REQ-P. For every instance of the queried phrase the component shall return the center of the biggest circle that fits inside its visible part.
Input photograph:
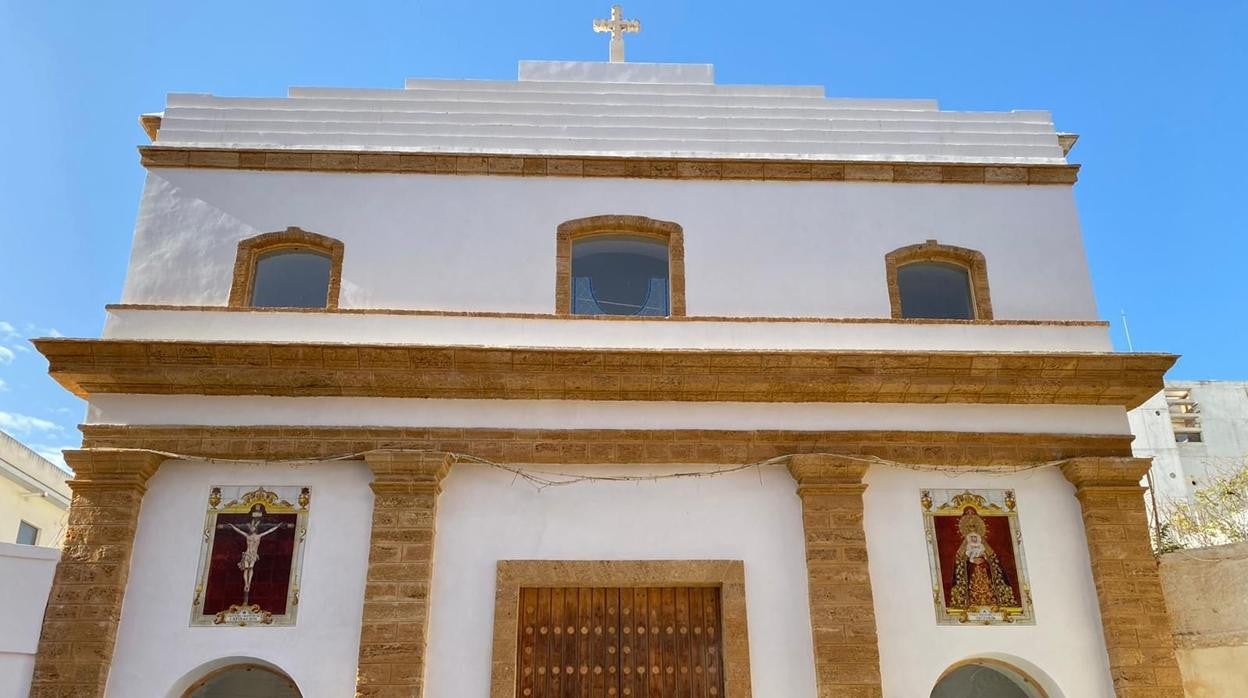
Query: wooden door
(631, 642)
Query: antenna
(1127, 330)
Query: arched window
(289, 269)
(620, 265)
(244, 680)
(938, 281)
(986, 678)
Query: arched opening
(983, 677)
(291, 268)
(938, 282)
(244, 681)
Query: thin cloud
(55, 454)
(22, 424)
(4, 387)
(6, 355)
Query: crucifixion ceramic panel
(251, 555)
(975, 554)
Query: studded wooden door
(643, 642)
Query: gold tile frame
(727, 575)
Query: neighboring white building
(33, 496)
(337, 296)
(1191, 430)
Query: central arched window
(620, 265)
(619, 275)
(289, 269)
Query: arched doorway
(244, 681)
(987, 678)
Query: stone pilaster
(400, 567)
(842, 612)
(1133, 611)
(84, 605)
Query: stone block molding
(1138, 638)
(87, 367)
(285, 160)
(727, 575)
(931, 251)
(842, 610)
(251, 249)
(666, 231)
(84, 605)
(608, 446)
(395, 624)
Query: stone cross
(618, 26)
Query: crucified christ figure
(247, 564)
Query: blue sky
(1156, 90)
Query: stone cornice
(105, 467)
(287, 160)
(406, 472)
(93, 366)
(1106, 473)
(608, 446)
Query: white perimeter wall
(159, 654)
(485, 515)
(488, 243)
(25, 578)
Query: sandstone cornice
(306, 160)
(1102, 473)
(608, 446)
(93, 366)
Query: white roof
(605, 109)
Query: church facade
(607, 381)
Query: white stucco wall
(485, 515)
(488, 243)
(1065, 649)
(25, 578)
(158, 653)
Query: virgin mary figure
(978, 578)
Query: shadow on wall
(235, 677)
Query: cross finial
(617, 25)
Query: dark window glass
(619, 275)
(291, 279)
(935, 290)
(27, 534)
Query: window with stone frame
(293, 268)
(939, 282)
(620, 265)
